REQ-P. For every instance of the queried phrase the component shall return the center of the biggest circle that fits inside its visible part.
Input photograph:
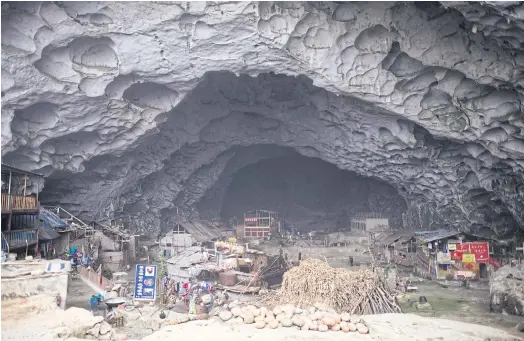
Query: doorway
(483, 270)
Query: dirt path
(78, 294)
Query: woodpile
(354, 291)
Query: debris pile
(317, 318)
(80, 323)
(356, 291)
(101, 331)
(506, 287)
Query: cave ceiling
(133, 109)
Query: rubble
(321, 318)
(507, 290)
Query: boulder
(94, 331)
(286, 322)
(323, 328)
(299, 322)
(225, 315)
(236, 311)
(507, 290)
(248, 319)
(105, 328)
(273, 324)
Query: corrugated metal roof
(397, 235)
(6, 169)
(186, 258)
(437, 235)
(202, 232)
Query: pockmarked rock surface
(133, 109)
(507, 290)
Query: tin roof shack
(397, 247)
(186, 234)
(455, 255)
(193, 262)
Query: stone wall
(38, 282)
(112, 260)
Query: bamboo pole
(9, 203)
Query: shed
(178, 267)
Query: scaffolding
(259, 224)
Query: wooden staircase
(82, 229)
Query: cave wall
(132, 118)
(307, 192)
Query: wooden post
(37, 225)
(9, 204)
(9, 222)
(520, 249)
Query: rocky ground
(35, 318)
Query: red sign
(250, 219)
(456, 255)
(480, 249)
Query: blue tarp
(49, 219)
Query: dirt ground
(356, 247)
(453, 302)
(456, 303)
(450, 304)
(41, 324)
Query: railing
(98, 280)
(59, 211)
(18, 203)
(5, 203)
(19, 238)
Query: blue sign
(145, 282)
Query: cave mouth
(307, 192)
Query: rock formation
(133, 109)
(507, 290)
